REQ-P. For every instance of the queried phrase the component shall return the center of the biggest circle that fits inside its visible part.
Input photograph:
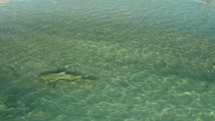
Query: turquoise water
(151, 60)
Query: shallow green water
(151, 60)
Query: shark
(53, 78)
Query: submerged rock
(52, 78)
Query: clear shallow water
(153, 60)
